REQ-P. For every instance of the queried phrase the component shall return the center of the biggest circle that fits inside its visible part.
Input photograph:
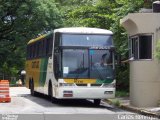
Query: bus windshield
(86, 40)
(84, 63)
(75, 63)
(101, 64)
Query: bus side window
(44, 47)
(57, 56)
(50, 45)
(57, 41)
(47, 46)
(32, 51)
(40, 48)
(37, 52)
(56, 65)
(35, 49)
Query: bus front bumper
(85, 93)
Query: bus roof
(78, 30)
(83, 30)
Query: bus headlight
(66, 84)
(110, 85)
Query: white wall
(144, 74)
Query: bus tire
(50, 93)
(32, 88)
(97, 102)
(29, 84)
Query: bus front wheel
(50, 94)
(97, 102)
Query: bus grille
(96, 85)
(81, 84)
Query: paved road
(23, 103)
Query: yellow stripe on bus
(80, 81)
(36, 39)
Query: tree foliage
(21, 20)
(105, 14)
(157, 52)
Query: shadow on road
(44, 101)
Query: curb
(139, 111)
(134, 109)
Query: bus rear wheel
(97, 102)
(50, 94)
(32, 88)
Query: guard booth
(143, 32)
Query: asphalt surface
(22, 103)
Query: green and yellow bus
(72, 63)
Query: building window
(141, 47)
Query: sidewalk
(124, 103)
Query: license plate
(80, 81)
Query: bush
(157, 52)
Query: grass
(116, 102)
(122, 93)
